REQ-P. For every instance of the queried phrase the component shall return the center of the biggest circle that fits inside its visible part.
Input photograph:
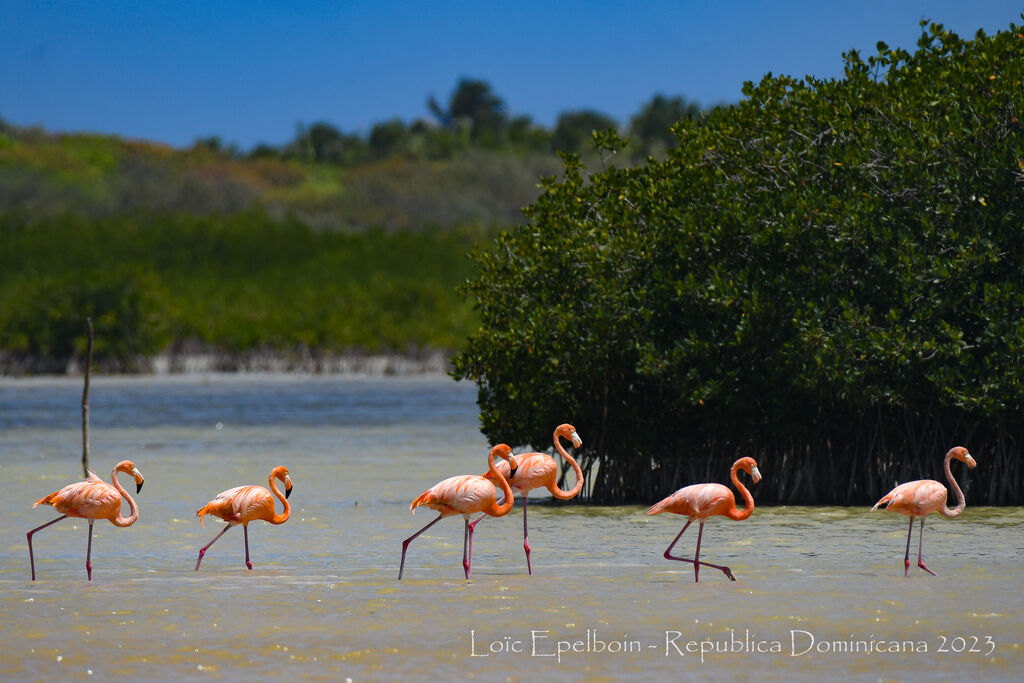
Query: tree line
(473, 117)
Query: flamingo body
(240, 505)
(698, 502)
(540, 470)
(464, 495)
(915, 498)
(91, 499)
(918, 499)
(244, 504)
(460, 495)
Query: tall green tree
(574, 130)
(826, 277)
(650, 129)
(323, 143)
(475, 107)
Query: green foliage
(651, 128)
(826, 277)
(574, 129)
(45, 315)
(236, 282)
(473, 107)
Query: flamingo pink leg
(202, 551)
(467, 542)
(920, 545)
(248, 564)
(526, 543)
(88, 553)
(31, 558)
(696, 561)
(906, 558)
(406, 542)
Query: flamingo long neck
(283, 517)
(960, 502)
(130, 519)
(494, 475)
(574, 491)
(748, 499)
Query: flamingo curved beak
(512, 465)
(970, 461)
(287, 486)
(576, 440)
(755, 474)
(139, 481)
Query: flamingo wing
(90, 499)
(238, 505)
(696, 500)
(915, 498)
(462, 494)
(533, 471)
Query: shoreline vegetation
(333, 253)
(197, 360)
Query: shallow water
(819, 590)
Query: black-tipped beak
(138, 486)
(287, 491)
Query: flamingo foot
(906, 568)
(921, 565)
(201, 553)
(728, 572)
(405, 548)
(529, 567)
(88, 570)
(248, 565)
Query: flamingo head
(128, 467)
(750, 466)
(281, 474)
(504, 451)
(567, 431)
(961, 454)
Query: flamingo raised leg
(91, 499)
(244, 504)
(918, 499)
(700, 501)
(464, 495)
(536, 470)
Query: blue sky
(250, 71)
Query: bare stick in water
(85, 403)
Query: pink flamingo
(922, 497)
(244, 504)
(701, 501)
(534, 470)
(91, 499)
(464, 495)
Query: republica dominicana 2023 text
(677, 643)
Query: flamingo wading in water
(536, 470)
(91, 499)
(244, 504)
(464, 495)
(922, 497)
(700, 501)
